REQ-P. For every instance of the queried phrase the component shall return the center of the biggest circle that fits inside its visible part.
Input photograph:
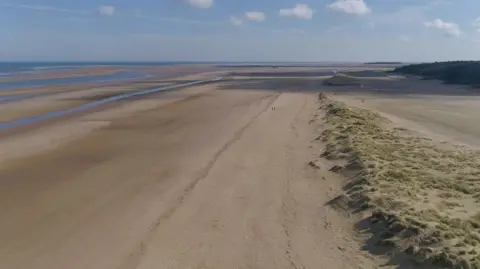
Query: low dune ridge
(422, 196)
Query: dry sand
(203, 177)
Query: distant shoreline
(373, 63)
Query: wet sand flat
(142, 73)
(51, 99)
(82, 71)
(162, 71)
(61, 101)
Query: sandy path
(217, 179)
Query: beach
(255, 167)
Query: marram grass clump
(424, 195)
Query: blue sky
(240, 30)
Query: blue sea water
(117, 76)
(54, 114)
(12, 68)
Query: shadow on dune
(374, 233)
(396, 257)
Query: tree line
(454, 72)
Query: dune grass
(424, 195)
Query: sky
(240, 30)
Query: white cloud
(404, 15)
(293, 31)
(110, 11)
(235, 21)
(198, 3)
(297, 31)
(107, 10)
(301, 11)
(137, 14)
(357, 7)
(476, 24)
(255, 16)
(46, 8)
(450, 28)
(404, 38)
(186, 21)
(435, 3)
(335, 29)
(409, 14)
(368, 25)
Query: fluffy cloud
(293, 31)
(107, 10)
(198, 3)
(476, 24)
(301, 11)
(404, 38)
(335, 29)
(46, 9)
(255, 16)
(235, 21)
(450, 28)
(368, 25)
(357, 7)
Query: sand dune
(424, 193)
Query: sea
(15, 68)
